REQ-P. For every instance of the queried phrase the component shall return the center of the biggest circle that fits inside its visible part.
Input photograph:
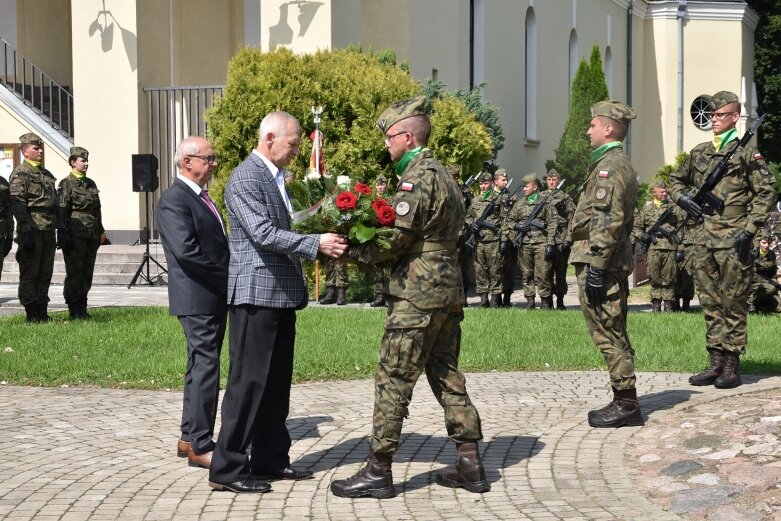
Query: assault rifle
(468, 183)
(649, 236)
(482, 221)
(525, 228)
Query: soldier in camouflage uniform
(723, 275)
(765, 287)
(378, 274)
(564, 206)
(692, 247)
(488, 259)
(466, 260)
(33, 202)
(510, 254)
(336, 282)
(425, 296)
(79, 229)
(6, 222)
(661, 265)
(602, 255)
(536, 269)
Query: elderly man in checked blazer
(266, 286)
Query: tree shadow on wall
(104, 24)
(282, 33)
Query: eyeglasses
(388, 139)
(211, 158)
(722, 115)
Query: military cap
(31, 139)
(485, 176)
(659, 183)
(723, 97)
(79, 152)
(530, 178)
(552, 173)
(381, 180)
(614, 110)
(500, 173)
(401, 110)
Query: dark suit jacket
(265, 265)
(196, 250)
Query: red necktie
(210, 204)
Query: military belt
(429, 246)
(79, 212)
(734, 210)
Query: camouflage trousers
(607, 326)
(558, 272)
(36, 266)
(417, 340)
(684, 279)
(536, 270)
(509, 269)
(466, 262)
(764, 295)
(336, 273)
(488, 268)
(79, 268)
(723, 284)
(662, 270)
(378, 275)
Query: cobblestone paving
(105, 454)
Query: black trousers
(204, 334)
(257, 397)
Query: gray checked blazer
(265, 256)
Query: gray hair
(276, 123)
(189, 146)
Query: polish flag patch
(757, 156)
(603, 173)
(407, 187)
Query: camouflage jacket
(692, 234)
(518, 215)
(495, 217)
(6, 216)
(429, 215)
(647, 217)
(78, 207)
(33, 198)
(605, 214)
(747, 191)
(564, 206)
(766, 264)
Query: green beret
(614, 110)
(500, 173)
(723, 97)
(31, 139)
(401, 110)
(381, 180)
(485, 176)
(529, 178)
(79, 152)
(552, 173)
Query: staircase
(115, 265)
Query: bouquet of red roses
(355, 213)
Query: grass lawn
(145, 348)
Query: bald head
(279, 137)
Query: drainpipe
(628, 141)
(471, 44)
(680, 15)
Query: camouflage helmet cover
(79, 152)
(31, 139)
(614, 110)
(401, 110)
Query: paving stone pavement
(108, 454)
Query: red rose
(346, 201)
(379, 203)
(386, 215)
(362, 188)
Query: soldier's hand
(8, 242)
(743, 246)
(692, 208)
(679, 256)
(595, 286)
(550, 253)
(504, 247)
(566, 248)
(27, 240)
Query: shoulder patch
(757, 156)
(601, 193)
(603, 174)
(406, 186)
(402, 208)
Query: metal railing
(52, 101)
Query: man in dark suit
(197, 253)
(266, 286)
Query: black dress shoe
(286, 473)
(245, 485)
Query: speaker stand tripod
(157, 279)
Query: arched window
(531, 75)
(609, 70)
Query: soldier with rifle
(509, 256)
(734, 194)
(531, 226)
(558, 256)
(466, 260)
(483, 220)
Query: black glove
(679, 256)
(504, 247)
(64, 240)
(550, 253)
(27, 240)
(645, 239)
(743, 246)
(595, 286)
(692, 208)
(566, 247)
(7, 243)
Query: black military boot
(494, 301)
(378, 302)
(340, 296)
(32, 312)
(546, 302)
(686, 305)
(375, 480)
(713, 371)
(530, 303)
(669, 306)
(467, 473)
(623, 410)
(83, 309)
(43, 313)
(730, 377)
(560, 301)
(656, 305)
(484, 300)
(330, 296)
(74, 310)
(506, 299)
